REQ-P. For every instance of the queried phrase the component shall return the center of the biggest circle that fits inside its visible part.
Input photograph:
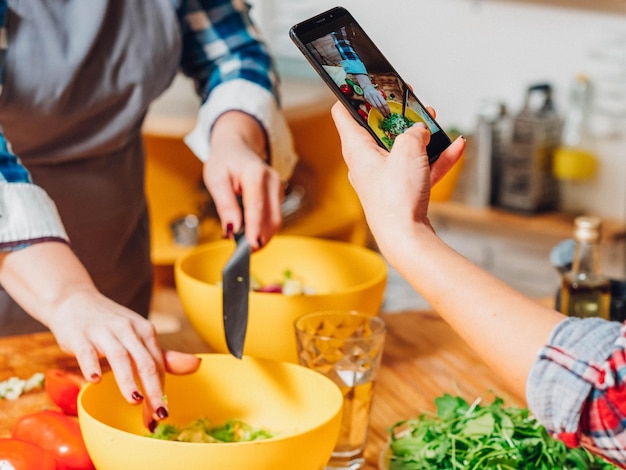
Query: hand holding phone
(363, 79)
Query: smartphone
(363, 79)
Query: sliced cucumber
(356, 88)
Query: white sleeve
(27, 215)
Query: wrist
(238, 126)
(395, 239)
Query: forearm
(506, 328)
(364, 80)
(42, 276)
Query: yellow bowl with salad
(290, 276)
(256, 414)
(388, 128)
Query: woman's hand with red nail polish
(238, 166)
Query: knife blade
(235, 291)
(405, 98)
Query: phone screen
(363, 79)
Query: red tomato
(20, 455)
(382, 92)
(62, 388)
(346, 89)
(57, 432)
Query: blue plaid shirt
(350, 60)
(240, 55)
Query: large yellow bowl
(343, 277)
(301, 406)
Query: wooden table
(423, 359)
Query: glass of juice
(345, 346)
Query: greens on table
(201, 431)
(475, 437)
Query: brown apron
(80, 76)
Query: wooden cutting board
(23, 356)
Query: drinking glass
(345, 346)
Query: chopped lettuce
(201, 431)
(14, 387)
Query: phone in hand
(363, 79)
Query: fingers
(354, 138)
(345, 123)
(179, 363)
(412, 141)
(89, 363)
(137, 363)
(261, 191)
(262, 198)
(176, 363)
(224, 196)
(91, 327)
(448, 158)
(375, 99)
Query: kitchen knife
(235, 290)
(405, 98)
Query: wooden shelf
(551, 224)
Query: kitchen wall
(462, 54)
(457, 53)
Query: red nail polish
(259, 242)
(95, 377)
(229, 230)
(161, 412)
(137, 396)
(152, 425)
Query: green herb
(201, 431)
(476, 437)
(392, 126)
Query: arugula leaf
(478, 436)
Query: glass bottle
(575, 160)
(585, 292)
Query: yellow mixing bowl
(301, 406)
(374, 117)
(343, 277)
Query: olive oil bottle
(585, 292)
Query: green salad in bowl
(202, 430)
(394, 125)
(480, 436)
